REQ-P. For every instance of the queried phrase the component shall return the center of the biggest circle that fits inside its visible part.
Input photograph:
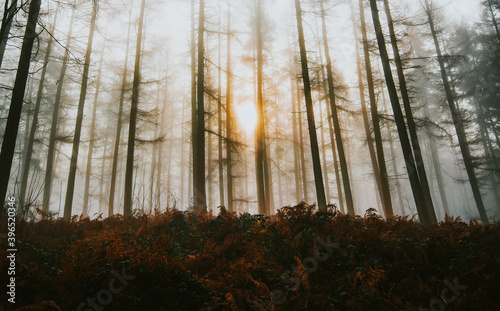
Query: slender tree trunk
(268, 178)
(116, 148)
(101, 182)
(416, 186)
(159, 174)
(16, 104)
(260, 138)
(366, 121)
(318, 176)
(155, 160)
(412, 128)
(437, 167)
(229, 116)
(296, 151)
(323, 155)
(49, 169)
(219, 117)
(34, 124)
(200, 197)
(68, 204)
(301, 144)
(92, 139)
(8, 16)
(129, 171)
(192, 177)
(386, 194)
(336, 123)
(458, 122)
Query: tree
(412, 128)
(49, 168)
(127, 207)
(335, 118)
(116, 148)
(457, 120)
(200, 197)
(34, 123)
(9, 11)
(386, 195)
(229, 116)
(68, 204)
(16, 104)
(260, 138)
(416, 186)
(318, 177)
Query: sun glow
(246, 114)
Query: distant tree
(49, 168)
(16, 104)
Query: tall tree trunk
(200, 197)
(155, 160)
(160, 148)
(34, 122)
(116, 149)
(229, 116)
(412, 128)
(386, 197)
(318, 177)
(260, 138)
(268, 180)
(458, 122)
(416, 186)
(336, 123)
(364, 112)
(16, 104)
(129, 171)
(92, 138)
(9, 12)
(296, 151)
(301, 144)
(219, 117)
(191, 182)
(437, 166)
(68, 204)
(49, 169)
(101, 182)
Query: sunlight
(246, 114)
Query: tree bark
(16, 104)
(200, 197)
(260, 134)
(129, 171)
(318, 176)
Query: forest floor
(298, 259)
